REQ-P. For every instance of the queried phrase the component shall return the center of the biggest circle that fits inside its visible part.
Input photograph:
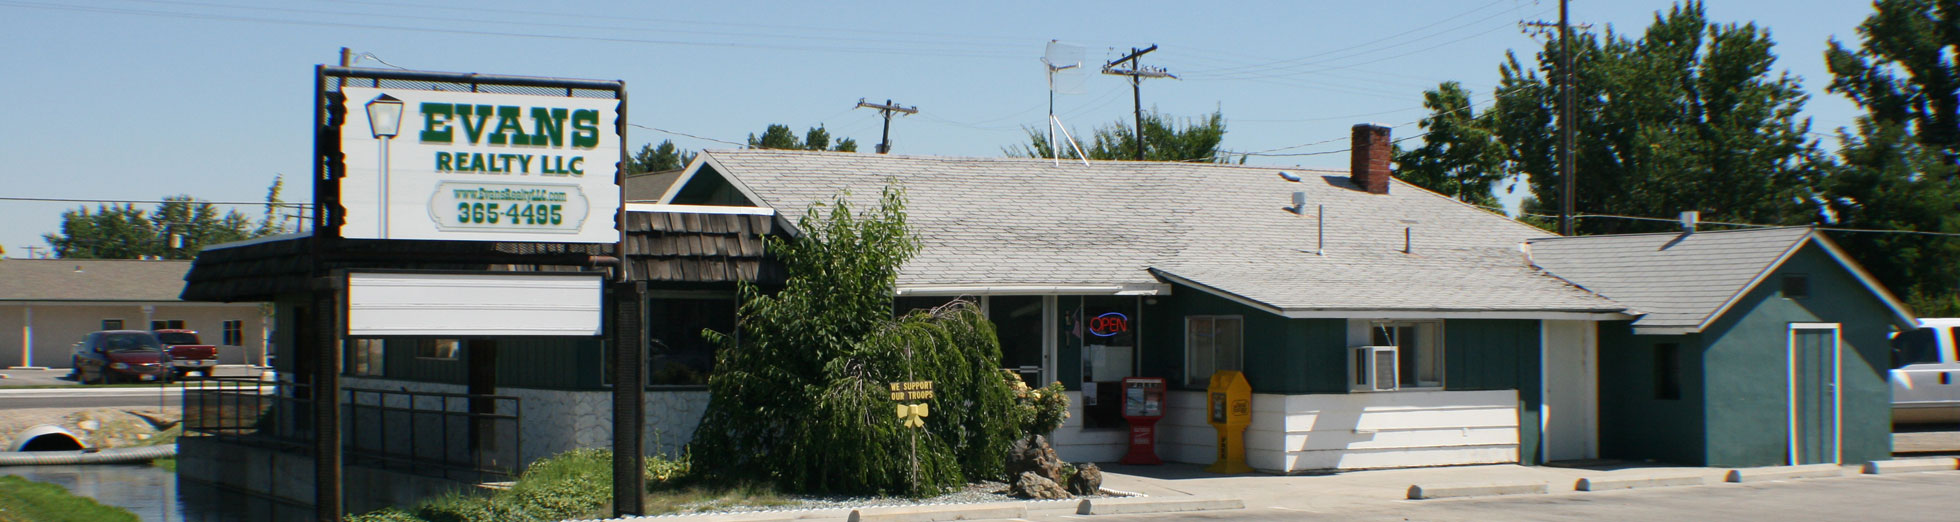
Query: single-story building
(47, 305)
(1318, 285)
(1752, 347)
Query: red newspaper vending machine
(1143, 405)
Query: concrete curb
(1434, 491)
(1636, 482)
(1131, 506)
(1882, 467)
(941, 512)
(1769, 473)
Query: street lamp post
(385, 120)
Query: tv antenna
(1064, 65)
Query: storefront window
(1103, 329)
(677, 354)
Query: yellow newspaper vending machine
(1228, 407)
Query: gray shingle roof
(1676, 280)
(1013, 221)
(91, 280)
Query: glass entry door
(1018, 323)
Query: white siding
(1295, 433)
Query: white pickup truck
(1926, 373)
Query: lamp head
(384, 116)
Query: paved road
(1911, 496)
(82, 398)
(59, 376)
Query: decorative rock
(1086, 481)
(89, 425)
(1030, 485)
(1033, 455)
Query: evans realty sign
(479, 167)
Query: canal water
(155, 495)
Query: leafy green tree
(802, 401)
(666, 156)
(1688, 116)
(1461, 156)
(818, 138)
(1194, 140)
(1896, 169)
(176, 229)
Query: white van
(1926, 373)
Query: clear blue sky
(132, 99)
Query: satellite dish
(1064, 64)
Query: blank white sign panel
(473, 305)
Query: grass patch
(578, 484)
(23, 500)
(167, 463)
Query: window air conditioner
(1374, 368)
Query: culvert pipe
(107, 456)
(46, 437)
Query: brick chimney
(1369, 168)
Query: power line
(677, 133)
(155, 202)
(1748, 225)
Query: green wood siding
(708, 187)
(1490, 354)
(1282, 356)
(1634, 424)
(1747, 365)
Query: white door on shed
(1570, 416)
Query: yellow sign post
(1228, 407)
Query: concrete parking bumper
(1769, 473)
(1638, 481)
(1882, 467)
(1435, 491)
(995, 510)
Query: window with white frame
(1419, 350)
(1212, 343)
(234, 333)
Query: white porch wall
(1073, 443)
(1297, 433)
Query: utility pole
(1568, 183)
(885, 142)
(1137, 73)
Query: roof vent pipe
(1688, 220)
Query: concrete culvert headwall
(46, 438)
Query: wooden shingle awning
(688, 249)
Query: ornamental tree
(801, 399)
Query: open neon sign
(1109, 324)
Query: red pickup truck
(187, 353)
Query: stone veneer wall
(555, 421)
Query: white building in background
(46, 305)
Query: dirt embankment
(98, 428)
